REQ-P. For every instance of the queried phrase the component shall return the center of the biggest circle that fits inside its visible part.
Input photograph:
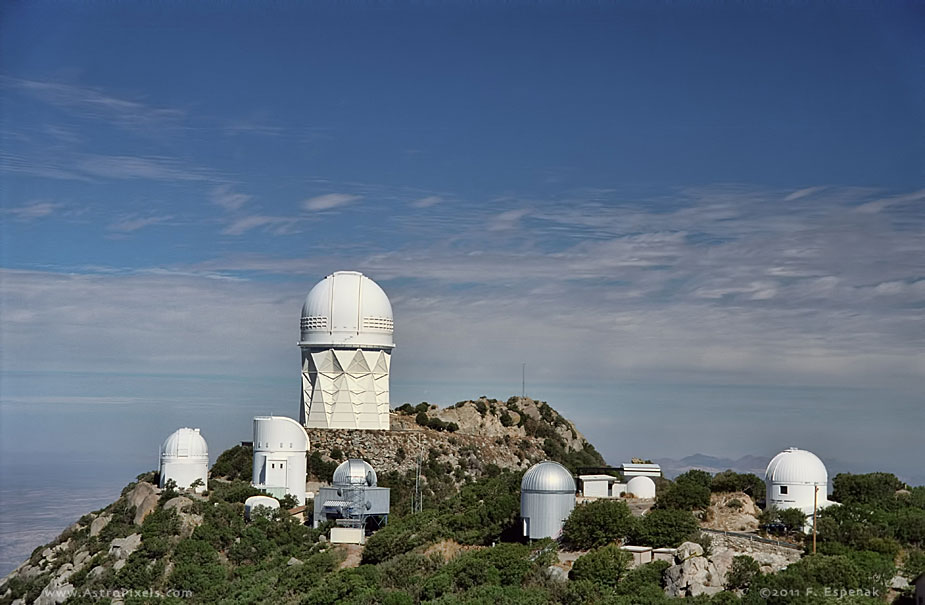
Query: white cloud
(157, 168)
(274, 224)
(32, 211)
(426, 202)
(134, 223)
(506, 220)
(329, 201)
(227, 198)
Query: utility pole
(523, 380)
(815, 503)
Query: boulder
(179, 503)
(293, 561)
(121, 548)
(556, 574)
(139, 493)
(98, 524)
(55, 593)
(97, 571)
(147, 506)
(80, 557)
(693, 574)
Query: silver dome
(548, 477)
(354, 472)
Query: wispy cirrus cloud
(229, 199)
(134, 223)
(426, 202)
(158, 168)
(32, 210)
(329, 201)
(277, 225)
(88, 102)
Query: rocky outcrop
(770, 557)
(99, 524)
(734, 511)
(508, 434)
(122, 548)
(144, 498)
(695, 573)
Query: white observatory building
(184, 457)
(280, 445)
(354, 501)
(547, 498)
(641, 486)
(792, 479)
(346, 342)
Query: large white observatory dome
(184, 458)
(796, 479)
(355, 472)
(796, 466)
(347, 309)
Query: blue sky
(700, 225)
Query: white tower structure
(547, 498)
(185, 458)
(792, 479)
(280, 445)
(346, 342)
(641, 486)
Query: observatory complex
(346, 342)
(184, 458)
(796, 478)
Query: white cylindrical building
(794, 479)
(346, 342)
(547, 498)
(184, 457)
(641, 487)
(280, 445)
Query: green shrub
(604, 566)
(235, 463)
(666, 528)
(742, 572)
(598, 523)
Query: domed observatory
(792, 479)
(353, 501)
(641, 487)
(280, 445)
(185, 458)
(346, 342)
(547, 498)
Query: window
(783, 490)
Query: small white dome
(355, 472)
(347, 308)
(185, 445)
(548, 477)
(256, 501)
(641, 487)
(797, 467)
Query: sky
(700, 225)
